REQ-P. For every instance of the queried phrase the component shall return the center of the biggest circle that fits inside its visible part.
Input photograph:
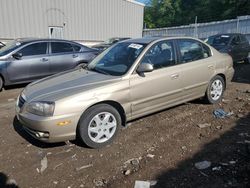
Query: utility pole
(195, 28)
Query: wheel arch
(82, 62)
(114, 104)
(1, 76)
(224, 78)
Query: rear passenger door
(62, 57)
(34, 63)
(196, 66)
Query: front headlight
(41, 108)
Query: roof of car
(229, 34)
(144, 40)
(147, 40)
(27, 40)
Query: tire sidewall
(82, 129)
(1, 83)
(208, 94)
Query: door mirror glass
(17, 56)
(145, 67)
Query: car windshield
(118, 59)
(110, 41)
(9, 47)
(220, 40)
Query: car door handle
(74, 56)
(45, 59)
(210, 66)
(175, 76)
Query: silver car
(27, 60)
(127, 81)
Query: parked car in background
(108, 43)
(2, 44)
(235, 44)
(129, 80)
(26, 60)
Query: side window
(76, 48)
(191, 50)
(34, 49)
(236, 40)
(61, 47)
(160, 55)
(243, 38)
(206, 51)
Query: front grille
(21, 102)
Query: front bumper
(49, 129)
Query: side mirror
(17, 56)
(145, 67)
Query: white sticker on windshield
(136, 46)
(226, 36)
(18, 43)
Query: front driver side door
(160, 88)
(34, 63)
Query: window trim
(31, 43)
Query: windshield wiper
(99, 71)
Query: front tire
(99, 125)
(215, 90)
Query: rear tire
(99, 125)
(1, 83)
(215, 90)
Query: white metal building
(78, 20)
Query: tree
(166, 13)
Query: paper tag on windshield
(226, 36)
(136, 46)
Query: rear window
(76, 48)
(191, 50)
(220, 40)
(61, 47)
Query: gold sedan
(128, 80)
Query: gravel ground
(163, 148)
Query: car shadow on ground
(242, 71)
(18, 86)
(5, 183)
(230, 162)
(19, 129)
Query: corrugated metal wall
(84, 20)
(204, 30)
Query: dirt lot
(162, 148)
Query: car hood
(66, 84)
(102, 45)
